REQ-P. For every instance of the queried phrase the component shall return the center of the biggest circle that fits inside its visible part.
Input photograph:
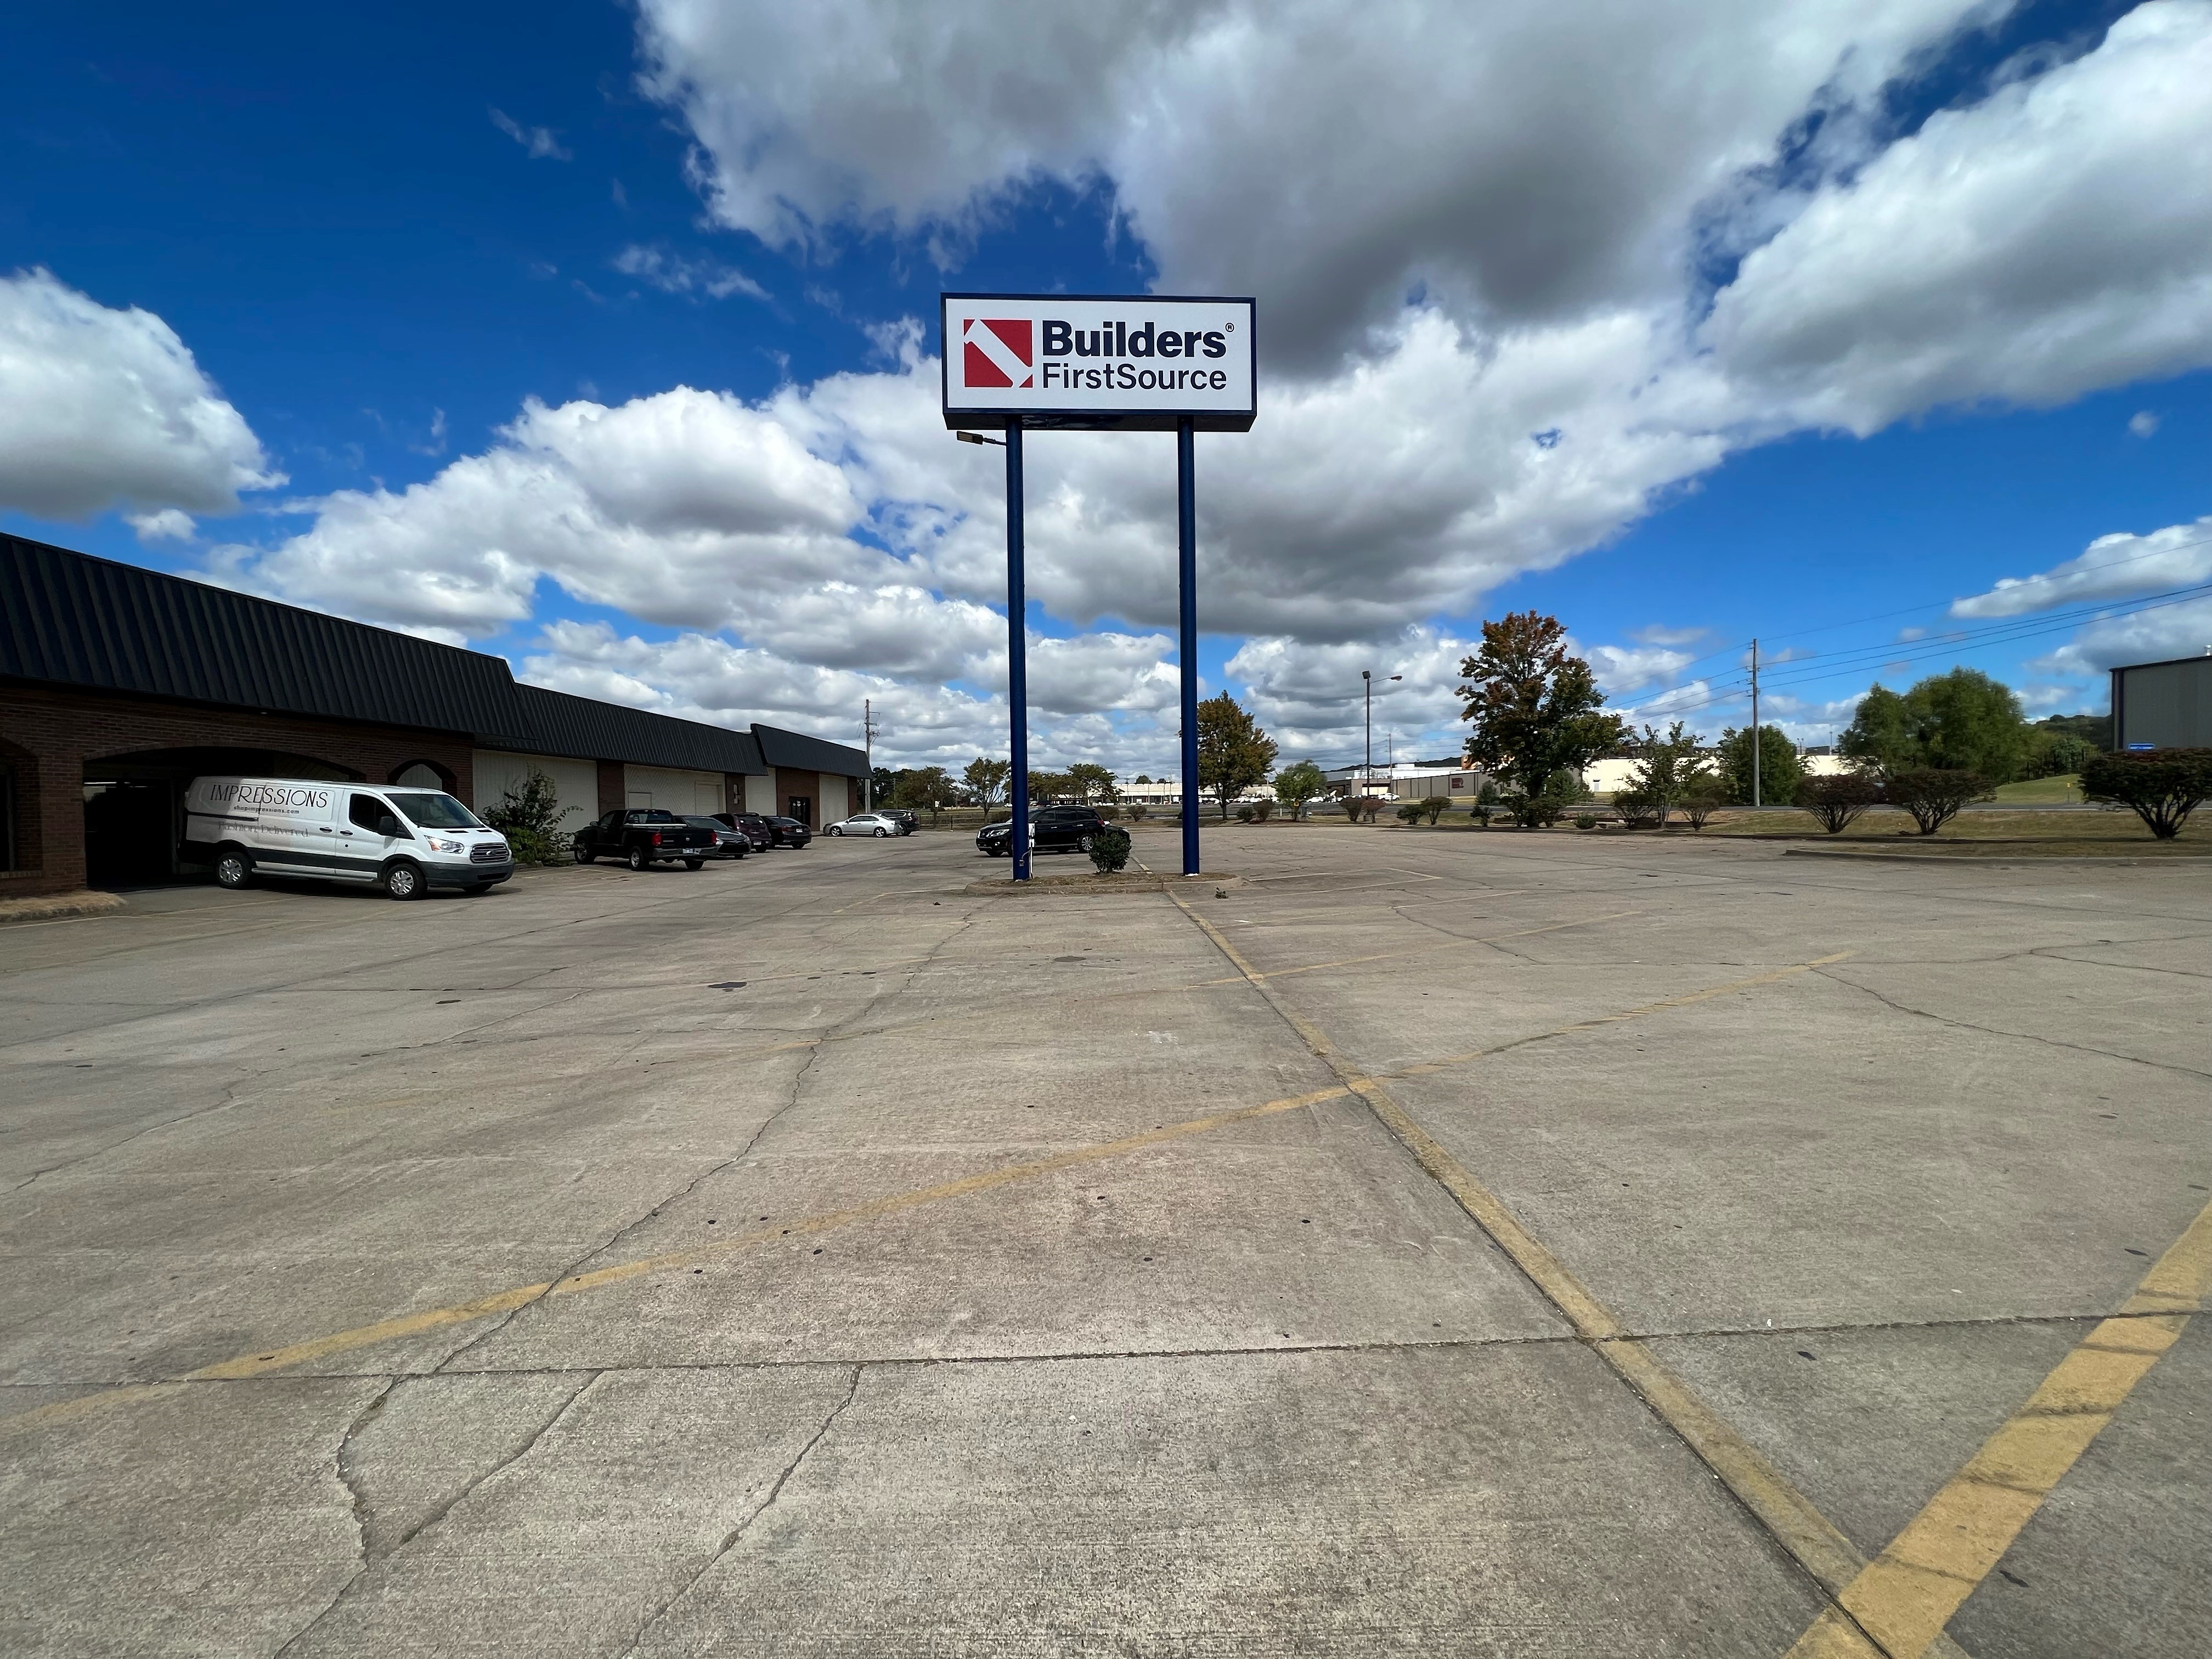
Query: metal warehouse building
(118, 685)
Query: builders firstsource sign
(1122, 361)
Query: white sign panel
(1117, 362)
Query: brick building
(118, 685)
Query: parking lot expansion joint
(730, 1539)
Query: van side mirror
(388, 825)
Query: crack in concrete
(231, 1098)
(1997, 1031)
(731, 1539)
(356, 1511)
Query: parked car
(1052, 829)
(898, 815)
(751, 825)
(639, 836)
(789, 832)
(729, 844)
(404, 841)
(881, 825)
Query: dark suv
(900, 816)
(1052, 829)
(751, 825)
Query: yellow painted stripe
(1912, 1590)
(1787, 1513)
(276, 1358)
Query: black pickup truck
(643, 836)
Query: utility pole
(1754, 724)
(1367, 766)
(868, 740)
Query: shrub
(1137, 813)
(1262, 810)
(1638, 809)
(1364, 807)
(1837, 801)
(1538, 812)
(1109, 849)
(531, 822)
(1934, 796)
(1244, 814)
(1433, 808)
(2162, 788)
(1700, 806)
(1585, 821)
(1409, 812)
(1486, 803)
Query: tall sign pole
(1098, 363)
(1186, 582)
(1754, 723)
(1018, 657)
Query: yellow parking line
(262, 1361)
(1911, 1591)
(1808, 1536)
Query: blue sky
(443, 269)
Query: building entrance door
(130, 831)
(800, 807)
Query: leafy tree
(1087, 781)
(1046, 788)
(1532, 709)
(1933, 794)
(881, 782)
(1234, 754)
(926, 787)
(1664, 768)
(1779, 768)
(1487, 800)
(2095, 730)
(2162, 788)
(1839, 800)
(985, 779)
(2056, 754)
(1297, 784)
(1961, 721)
(1364, 806)
(1140, 778)
(530, 820)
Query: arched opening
(133, 806)
(422, 774)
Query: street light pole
(1367, 767)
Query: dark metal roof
(71, 619)
(555, 723)
(805, 754)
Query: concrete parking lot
(1468, 1244)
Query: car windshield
(427, 811)
(702, 824)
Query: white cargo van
(405, 841)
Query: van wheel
(402, 880)
(637, 860)
(233, 868)
(585, 856)
(695, 864)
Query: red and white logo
(996, 351)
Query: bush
(1638, 809)
(1244, 814)
(1700, 806)
(1934, 796)
(531, 822)
(2162, 788)
(1109, 849)
(1837, 801)
(1538, 812)
(1585, 821)
(1486, 803)
(1262, 810)
(1137, 813)
(1409, 812)
(1433, 808)
(1364, 807)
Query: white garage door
(576, 782)
(674, 791)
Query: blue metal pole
(1018, 666)
(1187, 578)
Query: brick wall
(49, 735)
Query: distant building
(1451, 778)
(2163, 705)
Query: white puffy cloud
(2181, 629)
(2050, 240)
(540, 142)
(1328, 158)
(1623, 669)
(102, 408)
(2114, 567)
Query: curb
(58, 906)
(2005, 859)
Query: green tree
(1296, 785)
(928, 787)
(2162, 788)
(1532, 709)
(1090, 782)
(881, 780)
(986, 780)
(530, 820)
(1234, 754)
(1046, 788)
(1933, 794)
(1779, 768)
(1666, 768)
(1961, 721)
